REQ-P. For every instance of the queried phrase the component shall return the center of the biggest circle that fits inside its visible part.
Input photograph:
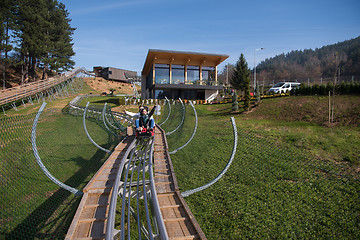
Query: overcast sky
(119, 33)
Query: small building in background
(175, 74)
(116, 74)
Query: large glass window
(208, 75)
(193, 75)
(162, 75)
(177, 74)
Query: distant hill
(313, 64)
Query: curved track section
(87, 133)
(193, 134)
(189, 192)
(38, 159)
(169, 105)
(182, 119)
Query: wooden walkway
(90, 219)
(10, 95)
(180, 223)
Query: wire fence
(272, 189)
(32, 206)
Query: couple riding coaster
(144, 123)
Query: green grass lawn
(290, 179)
(32, 206)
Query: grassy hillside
(312, 109)
(291, 177)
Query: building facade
(110, 73)
(175, 74)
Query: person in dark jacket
(145, 120)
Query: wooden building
(175, 74)
(116, 74)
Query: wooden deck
(90, 218)
(180, 223)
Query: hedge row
(340, 89)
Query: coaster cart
(145, 132)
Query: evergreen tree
(44, 37)
(32, 26)
(241, 79)
(313, 63)
(59, 56)
(6, 25)
(247, 97)
(241, 74)
(235, 104)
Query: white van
(283, 87)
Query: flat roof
(181, 58)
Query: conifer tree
(59, 56)
(6, 25)
(235, 104)
(44, 37)
(241, 79)
(32, 25)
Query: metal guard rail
(130, 158)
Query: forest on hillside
(342, 58)
(35, 40)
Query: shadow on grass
(53, 217)
(112, 100)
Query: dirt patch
(102, 85)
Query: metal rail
(193, 134)
(87, 133)
(103, 114)
(189, 192)
(136, 171)
(182, 120)
(168, 113)
(38, 159)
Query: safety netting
(32, 206)
(271, 190)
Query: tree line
(35, 34)
(314, 64)
(306, 64)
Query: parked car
(283, 87)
